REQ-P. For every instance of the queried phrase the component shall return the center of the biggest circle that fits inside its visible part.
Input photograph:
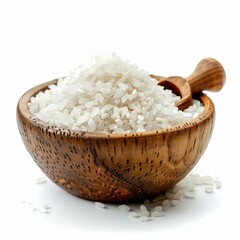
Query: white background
(44, 39)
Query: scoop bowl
(115, 167)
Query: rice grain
(100, 205)
(144, 219)
(124, 207)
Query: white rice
(209, 189)
(175, 202)
(145, 213)
(40, 180)
(100, 205)
(166, 203)
(143, 208)
(134, 214)
(38, 207)
(218, 184)
(110, 95)
(159, 205)
(158, 208)
(144, 219)
(189, 194)
(157, 214)
(124, 207)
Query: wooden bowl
(115, 167)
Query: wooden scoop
(209, 75)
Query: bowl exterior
(116, 168)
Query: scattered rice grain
(157, 214)
(209, 189)
(134, 214)
(124, 207)
(174, 202)
(42, 209)
(144, 213)
(144, 219)
(218, 184)
(189, 194)
(158, 208)
(41, 180)
(166, 203)
(143, 208)
(38, 207)
(100, 205)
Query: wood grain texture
(209, 75)
(114, 167)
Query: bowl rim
(22, 109)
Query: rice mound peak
(110, 95)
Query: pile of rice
(110, 95)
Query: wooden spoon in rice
(209, 75)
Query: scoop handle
(209, 75)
